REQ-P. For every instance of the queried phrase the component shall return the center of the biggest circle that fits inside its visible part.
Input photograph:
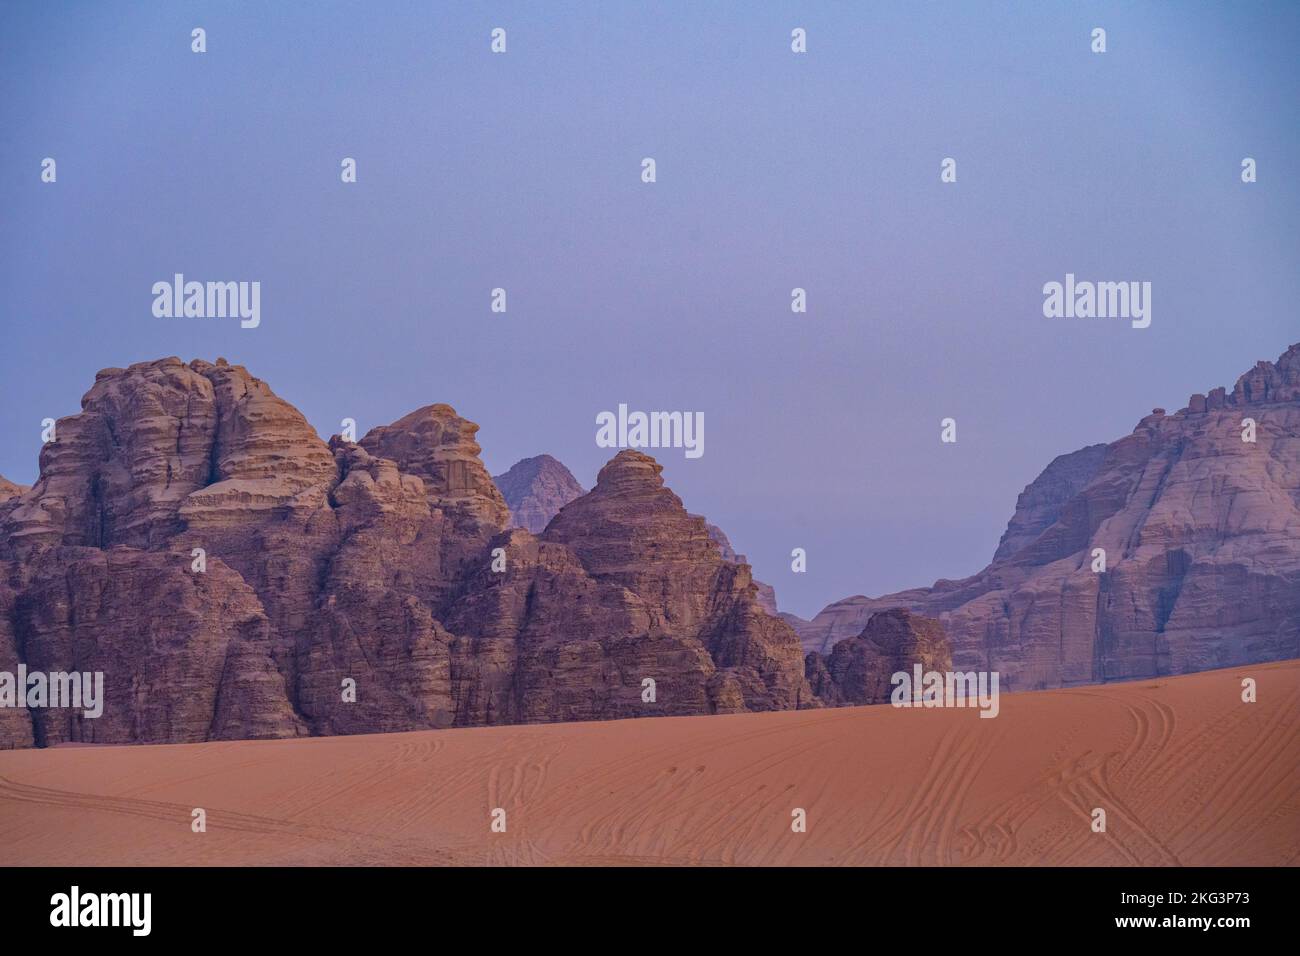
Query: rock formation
(536, 489)
(232, 575)
(766, 593)
(1039, 505)
(1201, 538)
(858, 669)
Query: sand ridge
(1187, 773)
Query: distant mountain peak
(536, 489)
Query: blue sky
(775, 170)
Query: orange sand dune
(1187, 773)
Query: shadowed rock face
(186, 656)
(1201, 533)
(858, 669)
(234, 576)
(536, 489)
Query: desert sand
(1187, 774)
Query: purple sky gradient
(774, 170)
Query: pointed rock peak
(437, 416)
(537, 465)
(630, 493)
(630, 472)
(526, 473)
(438, 446)
(536, 489)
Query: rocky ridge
(234, 576)
(1200, 532)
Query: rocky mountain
(1200, 534)
(858, 669)
(232, 575)
(536, 489)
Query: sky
(775, 170)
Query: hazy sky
(775, 170)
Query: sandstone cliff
(233, 576)
(1201, 536)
